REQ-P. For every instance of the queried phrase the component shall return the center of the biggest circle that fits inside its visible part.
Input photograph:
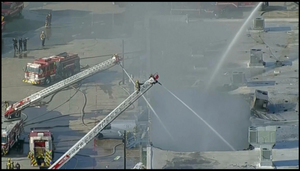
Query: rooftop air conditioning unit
(258, 24)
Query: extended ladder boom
(15, 109)
(103, 123)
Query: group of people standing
(21, 44)
(11, 165)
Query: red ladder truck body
(46, 70)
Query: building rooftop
(172, 48)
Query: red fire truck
(11, 131)
(41, 147)
(46, 70)
(11, 9)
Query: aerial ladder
(140, 90)
(14, 110)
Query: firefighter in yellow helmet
(151, 76)
(43, 38)
(9, 164)
(138, 85)
(6, 104)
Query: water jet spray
(234, 40)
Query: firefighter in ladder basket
(155, 77)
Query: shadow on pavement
(286, 144)
(286, 163)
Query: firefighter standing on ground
(20, 45)
(43, 38)
(17, 166)
(48, 19)
(25, 44)
(9, 164)
(15, 44)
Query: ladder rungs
(67, 82)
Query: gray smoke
(170, 43)
(228, 115)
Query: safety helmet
(42, 31)
(8, 159)
(137, 81)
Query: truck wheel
(48, 81)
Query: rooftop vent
(258, 24)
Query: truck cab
(11, 9)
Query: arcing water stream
(150, 107)
(224, 56)
(232, 43)
(207, 124)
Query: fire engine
(43, 139)
(10, 132)
(11, 9)
(41, 147)
(46, 70)
(14, 111)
